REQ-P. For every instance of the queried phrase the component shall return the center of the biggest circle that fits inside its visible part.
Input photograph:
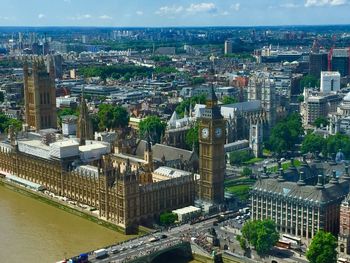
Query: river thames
(34, 232)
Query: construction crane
(330, 56)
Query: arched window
(342, 248)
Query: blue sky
(172, 13)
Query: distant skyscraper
(317, 62)
(40, 96)
(330, 81)
(57, 61)
(340, 60)
(228, 47)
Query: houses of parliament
(118, 177)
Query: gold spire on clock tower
(212, 134)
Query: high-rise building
(340, 59)
(57, 61)
(212, 129)
(318, 105)
(40, 96)
(330, 82)
(317, 62)
(228, 47)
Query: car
(123, 248)
(115, 251)
(163, 236)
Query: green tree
(165, 70)
(313, 143)
(261, 234)
(112, 117)
(167, 218)
(228, 100)
(5, 122)
(309, 81)
(154, 126)
(160, 58)
(321, 121)
(67, 111)
(247, 171)
(338, 142)
(242, 242)
(197, 81)
(192, 137)
(301, 98)
(115, 71)
(237, 158)
(286, 134)
(322, 248)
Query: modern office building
(228, 47)
(317, 62)
(339, 61)
(317, 105)
(297, 208)
(330, 82)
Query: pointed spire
(320, 183)
(346, 174)
(191, 110)
(334, 179)
(301, 181)
(281, 175)
(185, 113)
(149, 143)
(212, 96)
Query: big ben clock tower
(212, 135)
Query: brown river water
(34, 232)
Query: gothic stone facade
(119, 197)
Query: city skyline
(161, 13)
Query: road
(135, 249)
(196, 234)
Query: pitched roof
(170, 153)
(306, 193)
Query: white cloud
(81, 17)
(236, 6)
(41, 16)
(289, 5)
(310, 3)
(86, 16)
(202, 8)
(105, 17)
(5, 18)
(139, 13)
(169, 10)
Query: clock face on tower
(218, 132)
(205, 133)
